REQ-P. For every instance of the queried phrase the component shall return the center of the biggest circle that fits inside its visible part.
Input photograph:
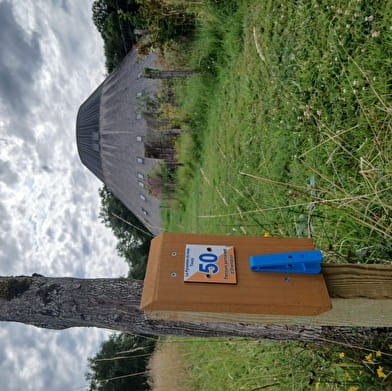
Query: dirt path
(168, 369)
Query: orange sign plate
(254, 293)
(209, 263)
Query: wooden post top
(361, 295)
(254, 293)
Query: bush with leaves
(116, 21)
(167, 22)
(121, 363)
(133, 237)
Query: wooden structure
(361, 295)
(252, 293)
(117, 139)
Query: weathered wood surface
(254, 293)
(354, 281)
(167, 74)
(361, 296)
(60, 303)
(142, 31)
(345, 312)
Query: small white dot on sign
(173, 254)
(174, 274)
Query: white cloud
(49, 202)
(35, 359)
(49, 191)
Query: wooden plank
(352, 281)
(362, 296)
(345, 312)
(254, 293)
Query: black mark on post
(14, 287)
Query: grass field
(291, 135)
(237, 364)
(291, 119)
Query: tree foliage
(133, 237)
(116, 20)
(100, 13)
(123, 359)
(166, 21)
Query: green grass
(291, 134)
(237, 364)
(314, 116)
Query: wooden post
(151, 73)
(142, 32)
(361, 295)
(175, 131)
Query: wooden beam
(345, 312)
(350, 281)
(361, 296)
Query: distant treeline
(116, 20)
(133, 237)
(121, 364)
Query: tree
(101, 10)
(166, 22)
(152, 73)
(133, 237)
(119, 356)
(60, 303)
(116, 21)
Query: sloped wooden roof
(110, 131)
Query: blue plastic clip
(306, 262)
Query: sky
(51, 59)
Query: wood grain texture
(361, 294)
(345, 312)
(354, 281)
(254, 293)
(60, 303)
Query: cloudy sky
(51, 59)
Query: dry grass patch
(168, 368)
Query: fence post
(361, 295)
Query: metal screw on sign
(173, 254)
(174, 274)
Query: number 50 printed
(209, 263)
